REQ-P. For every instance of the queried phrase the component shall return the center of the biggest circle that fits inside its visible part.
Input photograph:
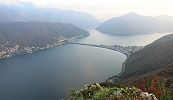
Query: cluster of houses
(125, 50)
(8, 49)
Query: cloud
(8, 1)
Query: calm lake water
(50, 74)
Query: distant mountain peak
(27, 11)
(135, 24)
(131, 14)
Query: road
(125, 50)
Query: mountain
(135, 24)
(149, 69)
(37, 33)
(154, 56)
(29, 12)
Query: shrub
(96, 92)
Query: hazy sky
(104, 9)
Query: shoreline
(110, 79)
(127, 51)
(36, 51)
(123, 68)
(116, 77)
(30, 50)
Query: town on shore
(8, 49)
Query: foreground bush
(96, 92)
(157, 86)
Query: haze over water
(50, 74)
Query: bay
(50, 74)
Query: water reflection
(97, 37)
(48, 75)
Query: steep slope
(154, 56)
(37, 33)
(149, 69)
(135, 24)
(29, 12)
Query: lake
(50, 74)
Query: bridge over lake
(122, 49)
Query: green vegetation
(97, 92)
